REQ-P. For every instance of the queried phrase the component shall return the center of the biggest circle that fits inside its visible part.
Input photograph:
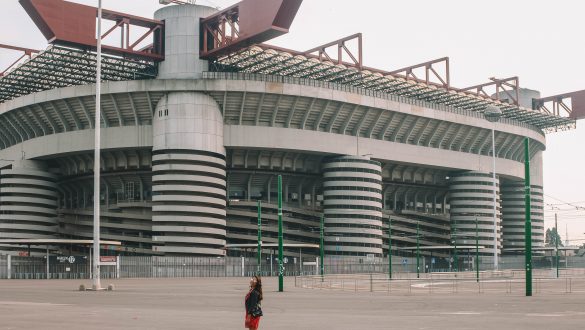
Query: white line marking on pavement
(26, 303)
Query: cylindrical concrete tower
(28, 201)
(513, 210)
(352, 191)
(189, 176)
(471, 199)
(513, 216)
(182, 41)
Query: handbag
(256, 311)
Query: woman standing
(253, 299)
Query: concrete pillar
(190, 212)
(472, 198)
(26, 182)
(352, 194)
(182, 41)
(513, 211)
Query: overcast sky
(541, 41)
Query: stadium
(200, 116)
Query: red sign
(107, 258)
(22, 253)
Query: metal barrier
(169, 267)
(430, 285)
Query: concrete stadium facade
(185, 157)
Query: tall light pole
(476, 251)
(557, 244)
(280, 252)
(417, 252)
(96, 164)
(527, 224)
(259, 253)
(493, 114)
(322, 248)
(455, 262)
(390, 247)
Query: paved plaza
(217, 303)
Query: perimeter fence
(454, 283)
(74, 267)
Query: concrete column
(352, 189)
(269, 188)
(190, 212)
(182, 41)
(300, 195)
(28, 202)
(9, 266)
(472, 198)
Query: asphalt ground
(217, 303)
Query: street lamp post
(476, 251)
(259, 253)
(557, 244)
(493, 114)
(417, 252)
(527, 224)
(390, 248)
(280, 250)
(97, 161)
(455, 263)
(322, 248)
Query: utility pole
(259, 254)
(280, 251)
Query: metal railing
(511, 268)
(431, 285)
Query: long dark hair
(258, 287)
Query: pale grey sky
(540, 41)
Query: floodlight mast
(97, 161)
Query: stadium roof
(70, 60)
(59, 66)
(265, 59)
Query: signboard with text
(108, 260)
(68, 260)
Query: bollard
(371, 284)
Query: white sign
(285, 260)
(370, 256)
